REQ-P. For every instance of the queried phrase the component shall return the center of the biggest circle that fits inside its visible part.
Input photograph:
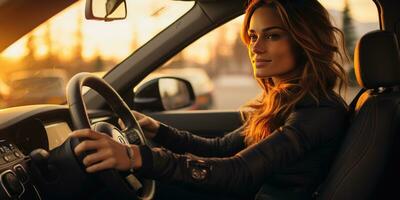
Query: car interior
(37, 161)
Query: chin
(262, 75)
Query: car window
(68, 44)
(218, 67)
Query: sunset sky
(116, 39)
(361, 10)
(109, 39)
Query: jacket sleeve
(179, 141)
(303, 131)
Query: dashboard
(24, 130)
(57, 133)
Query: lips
(261, 62)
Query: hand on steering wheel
(107, 153)
(104, 149)
(149, 125)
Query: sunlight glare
(16, 51)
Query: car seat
(366, 151)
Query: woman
(290, 135)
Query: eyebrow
(269, 28)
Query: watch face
(199, 169)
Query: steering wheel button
(122, 141)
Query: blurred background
(37, 67)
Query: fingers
(138, 115)
(93, 140)
(86, 133)
(142, 119)
(144, 122)
(87, 145)
(106, 164)
(121, 123)
(96, 157)
(106, 152)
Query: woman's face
(271, 48)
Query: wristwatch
(131, 156)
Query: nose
(257, 47)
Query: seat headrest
(377, 60)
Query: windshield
(36, 68)
(35, 84)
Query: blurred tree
(50, 58)
(349, 38)
(348, 29)
(77, 52)
(98, 63)
(240, 57)
(221, 52)
(29, 59)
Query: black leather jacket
(292, 161)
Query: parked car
(37, 161)
(37, 87)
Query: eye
(273, 36)
(253, 37)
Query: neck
(286, 77)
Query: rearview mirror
(164, 93)
(106, 10)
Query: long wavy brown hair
(318, 65)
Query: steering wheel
(125, 185)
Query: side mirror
(107, 10)
(164, 93)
